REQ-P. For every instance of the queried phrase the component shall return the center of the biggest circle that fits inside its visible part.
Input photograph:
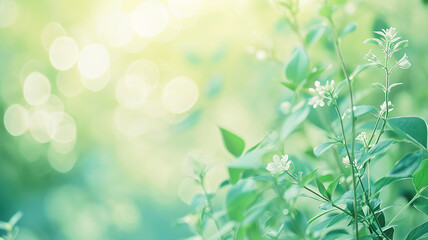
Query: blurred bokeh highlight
(105, 105)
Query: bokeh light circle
(38, 122)
(96, 84)
(61, 162)
(69, 83)
(150, 18)
(63, 53)
(147, 70)
(94, 61)
(115, 29)
(131, 91)
(37, 88)
(179, 95)
(8, 13)
(50, 32)
(61, 127)
(16, 120)
(184, 8)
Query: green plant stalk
(418, 194)
(386, 93)
(210, 206)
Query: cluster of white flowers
(388, 34)
(404, 62)
(346, 161)
(362, 137)
(322, 93)
(279, 164)
(383, 107)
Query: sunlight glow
(94, 61)
(150, 18)
(63, 53)
(179, 95)
(131, 91)
(16, 120)
(37, 88)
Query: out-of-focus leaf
(288, 84)
(361, 110)
(320, 149)
(239, 198)
(297, 68)
(413, 129)
(348, 29)
(234, 144)
(359, 69)
(373, 41)
(314, 35)
(375, 151)
(420, 178)
(418, 232)
(335, 234)
(407, 165)
(250, 160)
(293, 121)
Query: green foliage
(266, 183)
(234, 144)
(418, 232)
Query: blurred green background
(106, 104)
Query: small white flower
(362, 137)
(404, 62)
(321, 93)
(345, 160)
(390, 33)
(383, 107)
(279, 164)
(370, 56)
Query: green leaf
(326, 11)
(393, 85)
(418, 232)
(413, 129)
(314, 35)
(239, 198)
(421, 204)
(319, 215)
(380, 86)
(293, 121)
(297, 68)
(288, 84)
(322, 189)
(248, 161)
(309, 177)
(320, 149)
(234, 144)
(335, 234)
(361, 110)
(348, 29)
(375, 151)
(407, 165)
(420, 178)
(400, 45)
(359, 69)
(373, 41)
(332, 187)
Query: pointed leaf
(348, 29)
(297, 68)
(418, 232)
(234, 144)
(322, 189)
(412, 128)
(420, 178)
(332, 187)
(320, 149)
(314, 35)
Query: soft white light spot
(63, 53)
(16, 120)
(115, 29)
(50, 32)
(145, 69)
(8, 13)
(150, 18)
(63, 147)
(61, 162)
(171, 30)
(69, 83)
(137, 44)
(38, 122)
(261, 55)
(93, 61)
(37, 88)
(61, 127)
(179, 95)
(96, 84)
(130, 123)
(131, 91)
(184, 8)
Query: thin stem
(210, 206)
(387, 72)
(418, 194)
(351, 157)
